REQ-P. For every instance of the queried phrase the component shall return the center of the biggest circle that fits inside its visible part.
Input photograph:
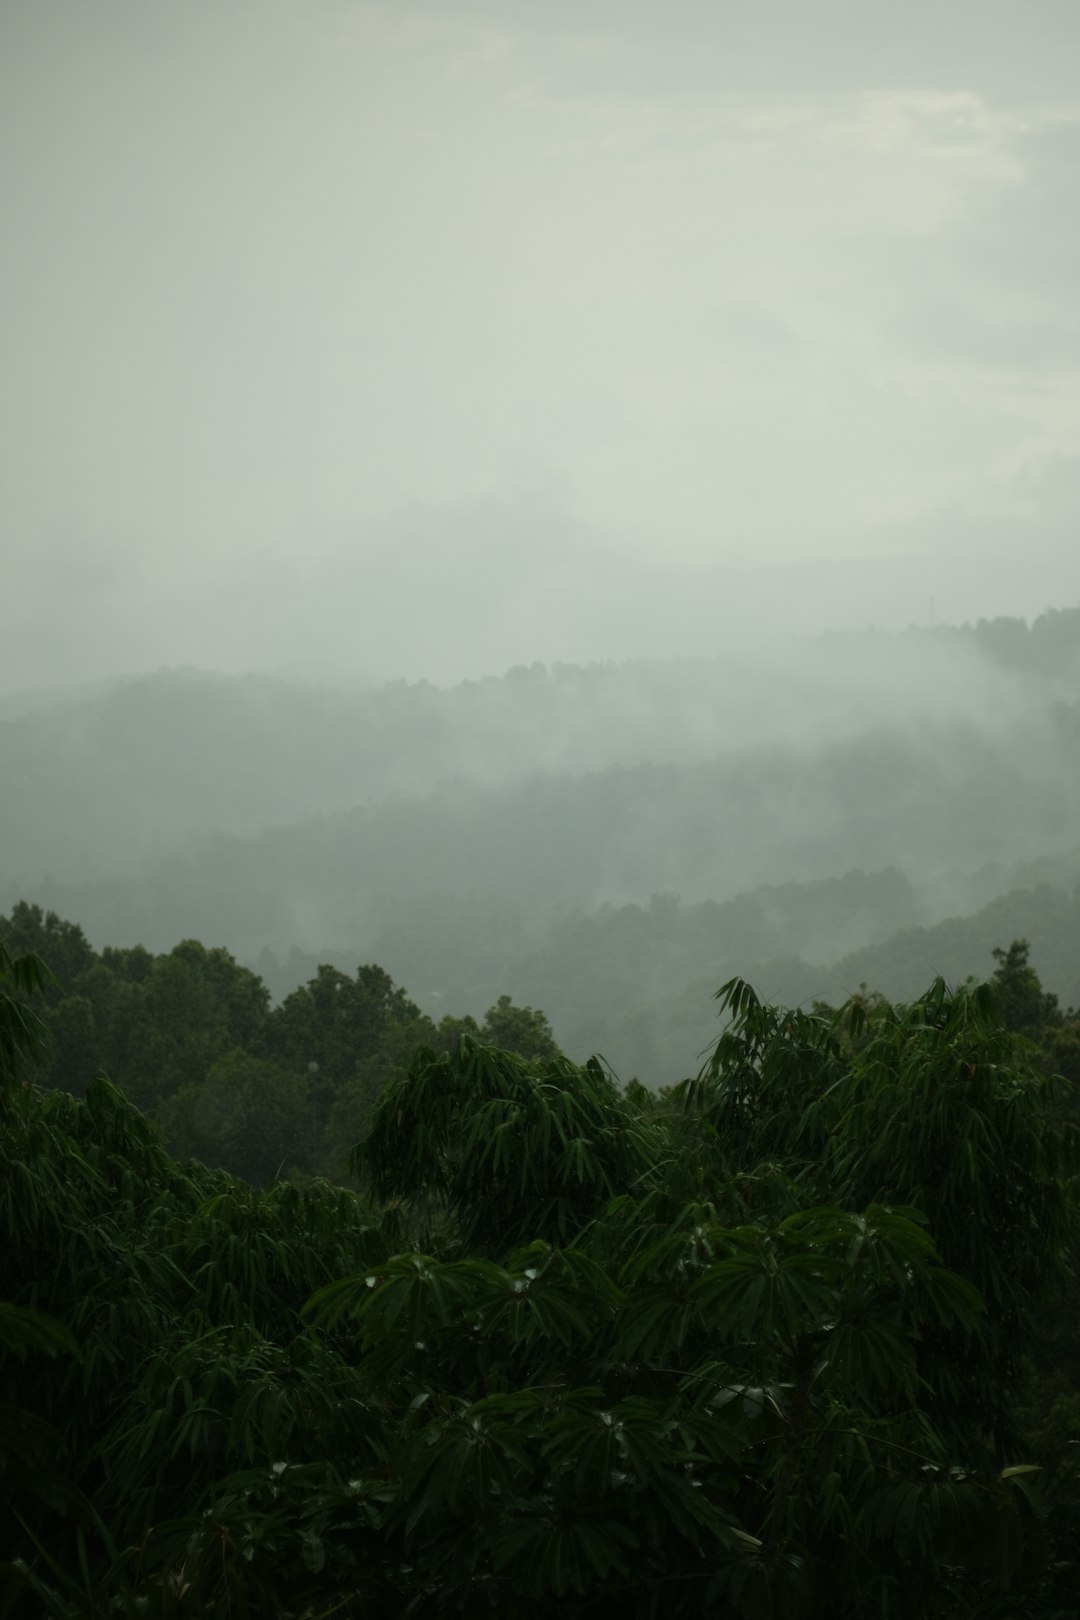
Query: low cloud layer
(422, 341)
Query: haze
(406, 340)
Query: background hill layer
(608, 842)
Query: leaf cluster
(749, 1348)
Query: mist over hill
(595, 840)
(96, 781)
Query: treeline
(933, 801)
(766, 1345)
(1049, 645)
(113, 780)
(634, 982)
(607, 843)
(191, 1037)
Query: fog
(378, 340)
(570, 500)
(595, 840)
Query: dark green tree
(600, 1352)
(523, 1030)
(511, 1148)
(348, 1035)
(24, 1036)
(247, 1115)
(30, 930)
(932, 1105)
(333, 1022)
(1026, 1007)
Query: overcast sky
(425, 339)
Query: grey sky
(425, 339)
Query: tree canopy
(759, 1345)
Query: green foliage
(190, 1036)
(248, 1116)
(24, 1036)
(333, 1022)
(30, 931)
(523, 1030)
(1025, 1006)
(157, 1023)
(932, 1104)
(176, 1294)
(512, 1148)
(751, 1348)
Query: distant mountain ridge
(95, 784)
(593, 839)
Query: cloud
(452, 302)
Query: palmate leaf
(560, 1295)
(899, 1233)
(936, 1510)
(540, 1311)
(541, 1296)
(414, 1295)
(764, 1295)
(951, 1298)
(655, 1321)
(587, 1447)
(476, 1453)
(871, 1358)
(283, 1410)
(678, 1246)
(349, 1297)
(275, 1542)
(599, 1444)
(517, 1148)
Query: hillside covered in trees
(539, 955)
(796, 1337)
(190, 1036)
(266, 1091)
(340, 1278)
(603, 842)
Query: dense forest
(796, 1337)
(269, 1090)
(436, 1239)
(191, 1038)
(539, 958)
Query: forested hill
(653, 1031)
(99, 783)
(607, 842)
(797, 1337)
(948, 799)
(637, 983)
(191, 1038)
(194, 1037)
